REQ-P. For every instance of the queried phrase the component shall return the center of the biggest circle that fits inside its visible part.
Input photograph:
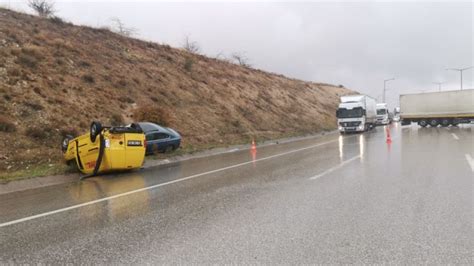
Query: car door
(152, 142)
(162, 141)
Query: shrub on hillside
(188, 64)
(126, 99)
(6, 125)
(37, 133)
(15, 51)
(33, 51)
(27, 61)
(28, 56)
(84, 64)
(34, 105)
(57, 20)
(69, 131)
(154, 114)
(88, 78)
(14, 72)
(122, 84)
(62, 44)
(116, 120)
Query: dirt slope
(55, 78)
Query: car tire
(95, 130)
(423, 123)
(445, 122)
(434, 123)
(65, 143)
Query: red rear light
(144, 143)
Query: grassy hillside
(55, 78)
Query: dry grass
(60, 77)
(154, 114)
(6, 124)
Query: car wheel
(422, 123)
(434, 122)
(65, 143)
(96, 128)
(445, 122)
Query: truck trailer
(437, 108)
(356, 113)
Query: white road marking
(470, 161)
(334, 168)
(455, 136)
(158, 185)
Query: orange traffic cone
(254, 146)
(389, 138)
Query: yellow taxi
(106, 149)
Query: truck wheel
(445, 122)
(434, 122)
(96, 128)
(423, 123)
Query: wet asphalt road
(332, 199)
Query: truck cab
(354, 113)
(396, 114)
(382, 114)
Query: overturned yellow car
(106, 149)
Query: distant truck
(356, 113)
(383, 117)
(396, 114)
(437, 108)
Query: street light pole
(439, 85)
(385, 87)
(460, 71)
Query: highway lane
(333, 199)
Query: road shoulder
(44, 181)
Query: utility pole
(460, 71)
(439, 85)
(385, 87)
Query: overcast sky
(357, 44)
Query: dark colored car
(160, 139)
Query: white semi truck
(437, 108)
(356, 113)
(396, 114)
(382, 114)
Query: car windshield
(381, 111)
(349, 113)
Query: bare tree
(241, 59)
(121, 29)
(190, 46)
(44, 8)
(221, 57)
